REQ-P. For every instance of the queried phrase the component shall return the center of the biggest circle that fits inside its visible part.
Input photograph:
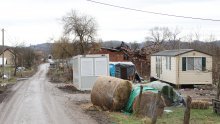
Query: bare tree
(135, 46)
(197, 35)
(28, 57)
(83, 27)
(175, 33)
(158, 35)
(210, 38)
(62, 48)
(17, 55)
(174, 39)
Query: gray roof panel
(172, 52)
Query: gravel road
(37, 101)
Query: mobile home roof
(174, 52)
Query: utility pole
(3, 68)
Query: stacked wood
(147, 104)
(199, 104)
(110, 93)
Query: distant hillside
(45, 47)
(217, 42)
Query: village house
(123, 53)
(117, 54)
(183, 66)
(9, 56)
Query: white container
(86, 68)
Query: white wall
(153, 67)
(167, 75)
(195, 76)
(87, 68)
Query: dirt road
(37, 101)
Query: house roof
(174, 52)
(8, 49)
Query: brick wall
(114, 56)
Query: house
(123, 53)
(115, 55)
(118, 54)
(9, 56)
(183, 66)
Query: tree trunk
(15, 71)
(82, 45)
(187, 110)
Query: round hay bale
(147, 103)
(110, 93)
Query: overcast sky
(39, 21)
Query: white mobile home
(86, 68)
(183, 66)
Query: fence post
(139, 101)
(187, 110)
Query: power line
(156, 13)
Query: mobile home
(182, 66)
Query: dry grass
(198, 116)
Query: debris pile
(69, 87)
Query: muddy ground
(200, 93)
(82, 99)
(37, 101)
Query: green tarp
(135, 92)
(167, 91)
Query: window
(190, 63)
(158, 65)
(168, 62)
(198, 63)
(194, 63)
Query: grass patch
(9, 71)
(121, 118)
(198, 116)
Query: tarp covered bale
(110, 93)
(170, 95)
(147, 104)
(134, 93)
